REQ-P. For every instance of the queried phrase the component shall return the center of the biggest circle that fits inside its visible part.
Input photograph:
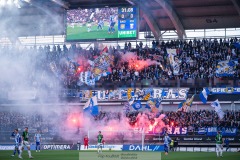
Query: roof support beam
(236, 5)
(174, 17)
(61, 3)
(149, 19)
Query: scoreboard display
(114, 23)
(127, 23)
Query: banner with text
(226, 90)
(105, 147)
(153, 148)
(136, 94)
(189, 138)
(170, 130)
(212, 131)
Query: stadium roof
(155, 15)
(178, 15)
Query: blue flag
(137, 105)
(237, 45)
(91, 106)
(218, 109)
(204, 95)
(184, 105)
(181, 104)
(156, 102)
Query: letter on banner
(182, 93)
(177, 130)
(170, 94)
(169, 130)
(157, 93)
(184, 130)
(131, 147)
(101, 95)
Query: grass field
(78, 32)
(74, 155)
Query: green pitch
(81, 32)
(74, 155)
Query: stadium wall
(112, 107)
(150, 148)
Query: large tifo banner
(136, 94)
(152, 148)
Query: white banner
(7, 147)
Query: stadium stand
(198, 60)
(134, 70)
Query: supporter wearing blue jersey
(17, 140)
(166, 142)
(37, 139)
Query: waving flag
(180, 106)
(153, 104)
(137, 105)
(204, 95)
(91, 106)
(100, 67)
(175, 65)
(237, 45)
(85, 78)
(226, 68)
(218, 109)
(105, 50)
(101, 64)
(102, 75)
(184, 106)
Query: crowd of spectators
(11, 119)
(108, 116)
(203, 118)
(62, 65)
(83, 15)
(193, 120)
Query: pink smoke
(136, 63)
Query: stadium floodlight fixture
(17, 4)
(61, 3)
(129, 1)
(10, 2)
(2, 2)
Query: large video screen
(102, 24)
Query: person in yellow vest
(171, 145)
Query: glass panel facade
(165, 35)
